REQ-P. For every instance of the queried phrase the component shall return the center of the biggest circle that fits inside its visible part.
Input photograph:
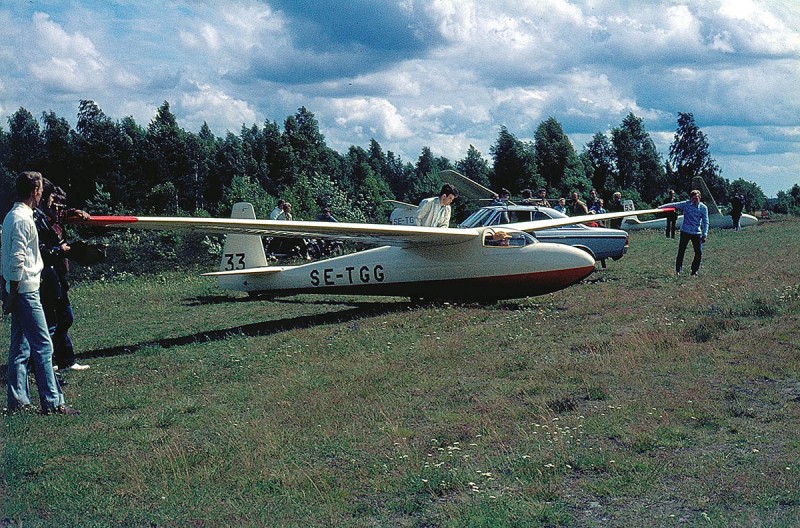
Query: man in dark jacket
(55, 286)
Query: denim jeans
(30, 338)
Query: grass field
(633, 399)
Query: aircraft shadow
(358, 310)
(225, 299)
(254, 329)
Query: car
(600, 242)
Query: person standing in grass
(694, 229)
(54, 292)
(616, 206)
(737, 206)
(672, 217)
(22, 269)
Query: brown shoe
(61, 409)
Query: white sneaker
(77, 366)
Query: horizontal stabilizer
(250, 271)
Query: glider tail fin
(241, 252)
(699, 183)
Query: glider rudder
(241, 251)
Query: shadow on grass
(358, 311)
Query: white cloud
(210, 104)
(771, 172)
(757, 29)
(64, 62)
(228, 35)
(371, 116)
(479, 64)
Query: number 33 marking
(229, 261)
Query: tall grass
(633, 399)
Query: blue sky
(439, 73)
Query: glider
(484, 263)
(715, 217)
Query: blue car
(600, 242)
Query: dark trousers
(697, 245)
(672, 219)
(59, 316)
(63, 351)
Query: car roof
(516, 207)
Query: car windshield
(481, 217)
(488, 216)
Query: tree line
(118, 166)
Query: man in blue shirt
(694, 228)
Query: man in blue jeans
(694, 229)
(22, 269)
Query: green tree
(554, 154)
(168, 157)
(788, 202)
(599, 155)
(101, 203)
(7, 188)
(227, 165)
(280, 158)
(255, 154)
(377, 159)
(475, 167)
(58, 150)
(98, 142)
(327, 193)
(204, 155)
(368, 187)
(638, 163)
(400, 177)
(26, 147)
(245, 188)
(131, 153)
(308, 150)
(690, 156)
(426, 176)
(514, 163)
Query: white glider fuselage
(468, 270)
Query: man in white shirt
(275, 213)
(435, 211)
(22, 269)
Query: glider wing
(375, 234)
(537, 225)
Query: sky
(445, 74)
